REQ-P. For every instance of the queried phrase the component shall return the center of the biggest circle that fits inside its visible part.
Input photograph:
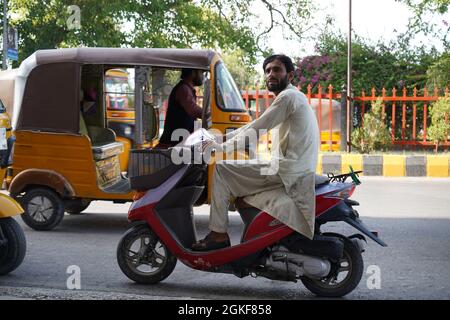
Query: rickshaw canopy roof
(169, 58)
(40, 102)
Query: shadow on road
(101, 223)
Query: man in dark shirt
(182, 110)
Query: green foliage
(374, 135)
(374, 65)
(186, 24)
(440, 124)
(43, 24)
(420, 23)
(216, 24)
(244, 74)
(438, 73)
(292, 19)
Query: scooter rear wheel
(143, 257)
(13, 251)
(344, 277)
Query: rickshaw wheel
(44, 209)
(77, 206)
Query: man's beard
(280, 86)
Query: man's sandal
(209, 244)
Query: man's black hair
(186, 72)
(284, 59)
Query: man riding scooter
(282, 238)
(295, 151)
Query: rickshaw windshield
(118, 85)
(119, 89)
(228, 95)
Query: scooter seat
(319, 181)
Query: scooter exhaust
(299, 264)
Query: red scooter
(163, 232)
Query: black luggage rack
(342, 177)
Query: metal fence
(407, 114)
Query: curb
(36, 293)
(387, 165)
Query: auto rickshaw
(65, 156)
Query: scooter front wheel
(143, 257)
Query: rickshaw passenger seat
(104, 143)
(101, 136)
(103, 140)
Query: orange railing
(414, 103)
(413, 130)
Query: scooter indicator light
(138, 195)
(240, 118)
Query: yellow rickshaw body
(62, 162)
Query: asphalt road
(411, 214)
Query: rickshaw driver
(182, 110)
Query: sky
(372, 19)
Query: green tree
(374, 135)
(243, 72)
(420, 21)
(374, 65)
(438, 73)
(43, 24)
(440, 124)
(216, 24)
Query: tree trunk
(436, 149)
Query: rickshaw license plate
(3, 142)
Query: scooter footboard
(175, 212)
